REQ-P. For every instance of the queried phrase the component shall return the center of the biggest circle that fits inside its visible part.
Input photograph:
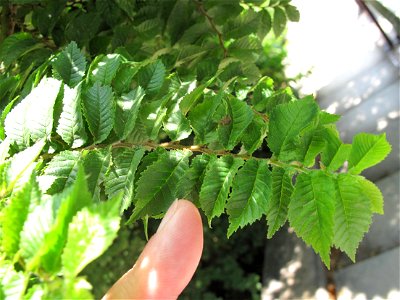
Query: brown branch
(193, 148)
(200, 7)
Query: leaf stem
(200, 7)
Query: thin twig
(200, 7)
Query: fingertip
(170, 258)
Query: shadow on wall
(291, 269)
(382, 270)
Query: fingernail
(169, 215)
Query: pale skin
(169, 259)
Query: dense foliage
(153, 100)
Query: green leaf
(235, 123)
(190, 100)
(201, 117)
(16, 45)
(90, 233)
(104, 68)
(312, 143)
(70, 64)
(242, 25)
(335, 152)
(12, 283)
(127, 6)
(14, 215)
(121, 177)
(96, 163)
(151, 77)
(22, 163)
(352, 215)
(45, 231)
(311, 211)
(175, 124)
(70, 125)
(123, 79)
(292, 13)
(152, 115)
(279, 21)
(254, 134)
(282, 190)
(251, 192)
(190, 184)
(327, 118)
(60, 172)
(127, 111)
(32, 118)
(373, 193)
(99, 109)
(178, 20)
(157, 186)
(286, 123)
(367, 150)
(216, 185)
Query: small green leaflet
(70, 124)
(151, 77)
(99, 109)
(373, 193)
(254, 134)
(16, 45)
(287, 121)
(251, 193)
(127, 111)
(176, 125)
(311, 211)
(12, 283)
(282, 190)
(352, 214)
(32, 118)
(216, 184)
(367, 151)
(292, 13)
(15, 214)
(335, 152)
(189, 186)
(158, 184)
(21, 164)
(90, 233)
(70, 65)
(201, 117)
(45, 231)
(121, 176)
(104, 68)
(279, 21)
(96, 163)
(60, 172)
(235, 123)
